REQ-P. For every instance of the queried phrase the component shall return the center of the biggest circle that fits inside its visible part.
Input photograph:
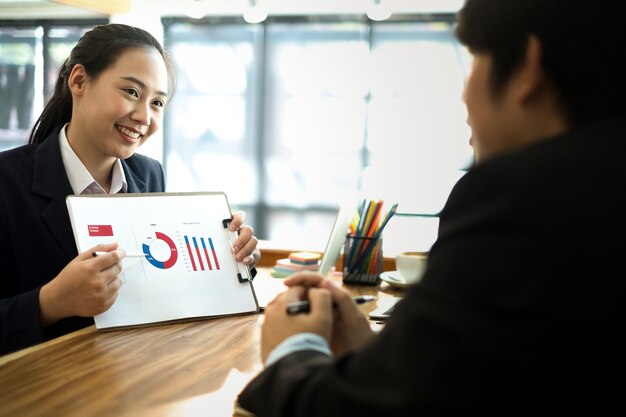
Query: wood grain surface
(184, 369)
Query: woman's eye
(159, 103)
(132, 92)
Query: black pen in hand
(304, 306)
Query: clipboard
(187, 270)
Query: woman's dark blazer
(36, 239)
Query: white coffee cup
(411, 265)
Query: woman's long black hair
(96, 51)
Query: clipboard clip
(243, 272)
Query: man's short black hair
(583, 46)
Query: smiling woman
(77, 144)
(108, 100)
(117, 111)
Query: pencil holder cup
(362, 260)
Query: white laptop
(266, 288)
(336, 239)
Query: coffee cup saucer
(394, 278)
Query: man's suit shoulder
(592, 151)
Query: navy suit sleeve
(19, 321)
(19, 314)
(19, 310)
(24, 228)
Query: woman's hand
(87, 286)
(245, 246)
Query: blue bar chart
(201, 257)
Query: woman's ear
(531, 79)
(77, 79)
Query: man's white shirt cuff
(298, 342)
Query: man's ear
(531, 79)
(77, 79)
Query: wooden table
(182, 369)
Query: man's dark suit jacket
(521, 309)
(36, 239)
